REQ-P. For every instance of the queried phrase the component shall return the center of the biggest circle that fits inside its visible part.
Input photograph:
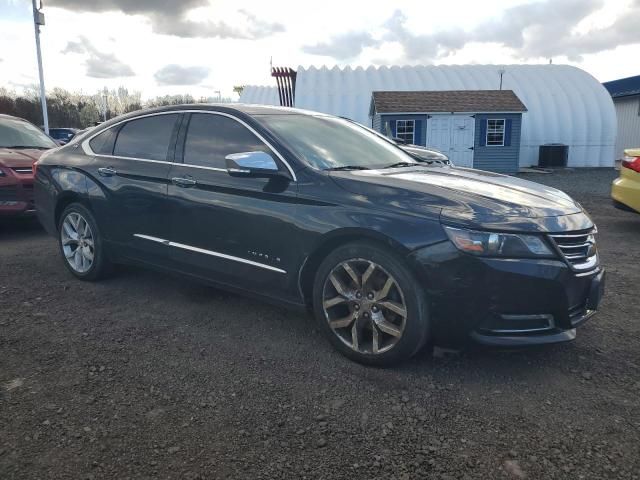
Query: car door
(233, 230)
(131, 164)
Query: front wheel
(370, 305)
(81, 244)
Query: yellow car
(626, 188)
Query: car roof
(12, 117)
(231, 108)
(246, 108)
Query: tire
(84, 256)
(389, 318)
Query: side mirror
(252, 164)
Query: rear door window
(146, 138)
(211, 138)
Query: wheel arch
(330, 242)
(75, 186)
(64, 200)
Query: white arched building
(564, 104)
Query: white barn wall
(260, 95)
(566, 104)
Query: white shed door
(453, 135)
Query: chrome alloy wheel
(77, 242)
(364, 306)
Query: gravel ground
(149, 376)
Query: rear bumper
(16, 194)
(505, 302)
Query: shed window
(406, 130)
(495, 132)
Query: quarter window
(495, 132)
(102, 144)
(405, 129)
(211, 138)
(147, 138)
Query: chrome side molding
(208, 252)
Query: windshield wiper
(403, 164)
(347, 167)
(433, 161)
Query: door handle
(107, 171)
(183, 182)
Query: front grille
(23, 170)
(27, 190)
(579, 249)
(9, 193)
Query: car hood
(19, 158)
(464, 195)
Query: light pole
(38, 19)
(105, 96)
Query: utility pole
(38, 19)
(502, 71)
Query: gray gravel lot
(149, 376)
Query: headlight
(492, 244)
(2, 174)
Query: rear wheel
(370, 305)
(81, 244)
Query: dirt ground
(149, 376)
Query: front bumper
(505, 302)
(16, 193)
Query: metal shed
(626, 98)
(474, 128)
(565, 104)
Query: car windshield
(328, 143)
(17, 133)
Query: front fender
(326, 243)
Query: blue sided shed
(475, 128)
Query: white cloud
(177, 75)
(542, 29)
(171, 18)
(148, 35)
(99, 64)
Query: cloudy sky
(204, 46)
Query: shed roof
(624, 86)
(432, 101)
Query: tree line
(81, 110)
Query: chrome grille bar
(578, 249)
